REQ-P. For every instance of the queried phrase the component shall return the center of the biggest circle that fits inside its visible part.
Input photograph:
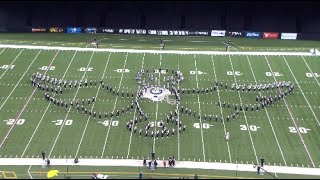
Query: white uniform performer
(227, 136)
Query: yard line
(311, 71)
(224, 126)
(11, 63)
(294, 122)
(203, 150)
(178, 116)
(301, 90)
(114, 106)
(29, 172)
(15, 121)
(84, 131)
(134, 115)
(157, 108)
(34, 132)
(274, 134)
(244, 113)
(20, 80)
(228, 45)
(2, 51)
(55, 141)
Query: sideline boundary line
(179, 165)
(154, 51)
(155, 174)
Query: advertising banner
(73, 30)
(270, 35)
(152, 32)
(56, 30)
(38, 30)
(252, 34)
(104, 30)
(219, 33)
(235, 33)
(90, 30)
(288, 35)
(141, 31)
(178, 33)
(198, 33)
(126, 31)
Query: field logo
(52, 173)
(156, 94)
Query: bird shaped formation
(152, 88)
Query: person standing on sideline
(164, 163)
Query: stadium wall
(296, 17)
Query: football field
(285, 133)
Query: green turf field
(195, 43)
(62, 132)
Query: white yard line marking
(274, 134)
(301, 90)
(134, 114)
(224, 126)
(11, 63)
(34, 132)
(244, 113)
(114, 106)
(2, 51)
(311, 71)
(20, 79)
(178, 116)
(230, 46)
(24, 107)
(157, 108)
(63, 123)
(29, 172)
(84, 131)
(203, 149)
(294, 122)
